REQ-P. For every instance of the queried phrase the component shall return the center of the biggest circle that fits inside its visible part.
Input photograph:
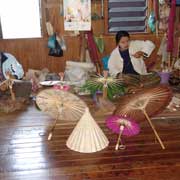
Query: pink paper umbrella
(122, 125)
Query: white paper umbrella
(61, 105)
(87, 136)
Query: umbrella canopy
(131, 128)
(145, 104)
(136, 82)
(122, 125)
(112, 86)
(61, 104)
(153, 100)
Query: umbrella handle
(119, 137)
(105, 91)
(155, 132)
(12, 94)
(49, 136)
(51, 131)
(105, 74)
(10, 84)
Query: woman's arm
(138, 54)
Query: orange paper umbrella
(145, 104)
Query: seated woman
(128, 56)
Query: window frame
(106, 18)
(41, 14)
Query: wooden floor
(27, 155)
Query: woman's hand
(138, 54)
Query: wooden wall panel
(33, 53)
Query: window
(129, 15)
(20, 19)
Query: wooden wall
(33, 53)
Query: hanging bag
(56, 51)
(55, 48)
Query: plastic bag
(57, 51)
(151, 22)
(52, 41)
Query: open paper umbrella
(130, 80)
(60, 105)
(108, 85)
(122, 125)
(136, 82)
(151, 79)
(145, 104)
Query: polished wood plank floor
(25, 154)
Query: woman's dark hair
(121, 34)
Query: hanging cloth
(92, 47)
(156, 9)
(93, 51)
(156, 14)
(171, 21)
(99, 43)
(176, 41)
